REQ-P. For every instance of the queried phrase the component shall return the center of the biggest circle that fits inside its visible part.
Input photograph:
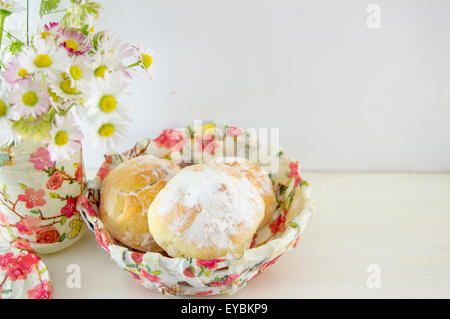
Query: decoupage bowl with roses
(226, 275)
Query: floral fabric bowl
(23, 275)
(190, 276)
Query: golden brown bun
(206, 211)
(127, 192)
(258, 177)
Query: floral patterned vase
(38, 199)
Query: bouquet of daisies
(66, 72)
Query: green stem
(64, 112)
(2, 22)
(51, 113)
(134, 64)
(28, 22)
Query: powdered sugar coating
(218, 205)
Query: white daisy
(110, 55)
(30, 98)
(10, 6)
(79, 71)
(62, 86)
(45, 57)
(107, 97)
(15, 72)
(65, 138)
(145, 59)
(7, 133)
(48, 32)
(107, 133)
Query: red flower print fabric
(33, 198)
(41, 159)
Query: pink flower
(75, 42)
(55, 181)
(47, 235)
(102, 238)
(170, 139)
(204, 293)
(83, 201)
(28, 225)
(51, 26)
(137, 257)
(227, 282)
(278, 224)
(207, 143)
(296, 242)
(79, 173)
(70, 208)
(234, 131)
(3, 219)
(22, 243)
(43, 290)
(293, 166)
(15, 73)
(41, 159)
(188, 272)
(33, 198)
(264, 266)
(210, 264)
(150, 277)
(17, 268)
(105, 168)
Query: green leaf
(63, 236)
(305, 183)
(280, 153)
(293, 224)
(63, 220)
(16, 47)
(156, 272)
(34, 211)
(47, 6)
(43, 270)
(23, 186)
(207, 272)
(148, 269)
(53, 195)
(6, 291)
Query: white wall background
(345, 97)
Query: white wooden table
(399, 222)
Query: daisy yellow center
(100, 71)
(108, 103)
(146, 60)
(45, 34)
(75, 72)
(71, 44)
(61, 138)
(22, 72)
(66, 86)
(2, 108)
(106, 130)
(43, 61)
(53, 95)
(30, 98)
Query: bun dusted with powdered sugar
(258, 177)
(206, 211)
(126, 195)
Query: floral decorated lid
(23, 275)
